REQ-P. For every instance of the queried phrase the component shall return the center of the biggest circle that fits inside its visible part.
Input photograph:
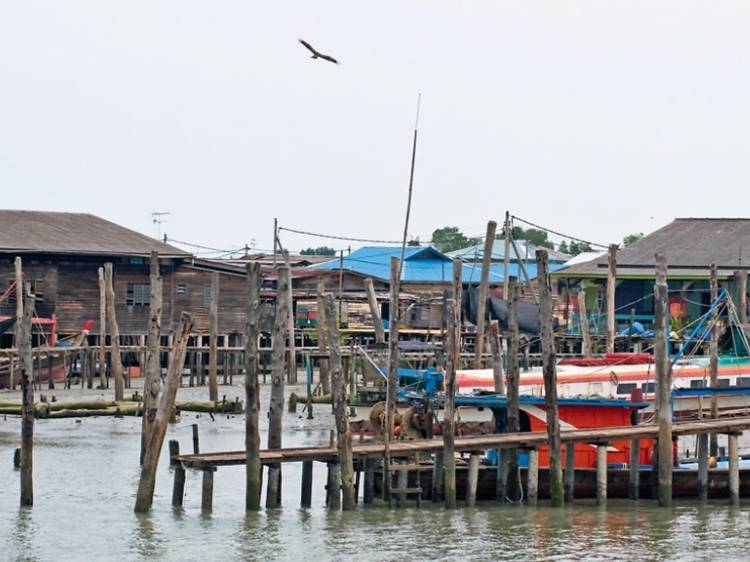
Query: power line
(333, 237)
(559, 233)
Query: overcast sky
(596, 118)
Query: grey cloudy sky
(595, 118)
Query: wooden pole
(742, 294)
(484, 287)
(307, 481)
(253, 466)
(196, 440)
(323, 367)
(506, 257)
(213, 327)
(713, 365)
(340, 318)
(703, 466)
(343, 431)
(452, 354)
(497, 359)
(512, 424)
(207, 490)
(611, 287)
(152, 378)
(663, 383)
(532, 477)
(178, 486)
(102, 330)
(377, 321)
(278, 373)
(291, 325)
(471, 485)
(601, 474)
(147, 482)
(550, 379)
(734, 470)
(570, 471)
(27, 398)
(114, 331)
(634, 477)
(438, 470)
(392, 388)
(369, 491)
(333, 485)
(584, 319)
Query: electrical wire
(559, 233)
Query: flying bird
(317, 54)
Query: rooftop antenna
(158, 218)
(411, 185)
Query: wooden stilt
(115, 357)
(196, 440)
(663, 383)
(734, 470)
(497, 358)
(323, 371)
(713, 365)
(512, 424)
(453, 354)
(253, 467)
(174, 451)
(27, 396)
(471, 485)
(307, 480)
(437, 477)
(152, 375)
(178, 487)
(611, 285)
(369, 492)
(402, 483)
(391, 389)
(570, 471)
(703, 466)
(334, 486)
(634, 476)
(601, 474)
(207, 490)
(532, 477)
(489, 242)
(213, 323)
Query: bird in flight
(317, 54)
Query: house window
(181, 289)
(698, 383)
(37, 289)
(723, 383)
(743, 382)
(626, 388)
(206, 297)
(648, 387)
(138, 294)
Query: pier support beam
(333, 488)
(437, 477)
(307, 480)
(532, 477)
(471, 485)
(734, 470)
(663, 383)
(703, 466)
(207, 490)
(178, 487)
(570, 471)
(601, 474)
(369, 492)
(634, 477)
(402, 483)
(253, 466)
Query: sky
(592, 118)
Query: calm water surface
(86, 476)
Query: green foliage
(533, 235)
(563, 247)
(319, 251)
(450, 238)
(413, 242)
(575, 248)
(630, 238)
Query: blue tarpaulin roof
(421, 265)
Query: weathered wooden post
(634, 476)
(438, 470)
(178, 486)
(152, 378)
(497, 358)
(452, 354)
(343, 431)
(292, 366)
(734, 469)
(703, 466)
(196, 441)
(611, 287)
(207, 489)
(570, 471)
(145, 494)
(324, 371)
(372, 301)
(484, 282)
(550, 379)
(741, 277)
(114, 332)
(278, 373)
(27, 397)
(663, 383)
(532, 477)
(253, 467)
(506, 256)
(601, 474)
(471, 484)
(307, 480)
(391, 390)
(369, 491)
(584, 319)
(213, 340)
(713, 366)
(102, 329)
(512, 424)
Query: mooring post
(307, 480)
(512, 424)
(634, 475)
(391, 388)
(114, 332)
(549, 370)
(207, 490)
(174, 451)
(438, 470)
(196, 442)
(471, 485)
(253, 467)
(611, 287)
(570, 470)
(333, 486)
(278, 375)
(601, 473)
(484, 284)
(703, 466)
(178, 486)
(27, 396)
(402, 483)
(453, 358)
(213, 343)
(152, 375)
(734, 470)
(323, 371)
(145, 494)
(369, 491)
(663, 383)
(532, 477)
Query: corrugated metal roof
(421, 265)
(74, 233)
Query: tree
(450, 238)
(414, 242)
(563, 247)
(533, 235)
(319, 251)
(630, 238)
(575, 248)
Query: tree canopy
(574, 248)
(630, 238)
(450, 238)
(533, 235)
(319, 251)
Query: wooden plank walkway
(468, 443)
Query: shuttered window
(138, 294)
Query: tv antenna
(158, 218)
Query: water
(85, 478)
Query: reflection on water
(86, 476)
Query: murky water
(86, 476)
